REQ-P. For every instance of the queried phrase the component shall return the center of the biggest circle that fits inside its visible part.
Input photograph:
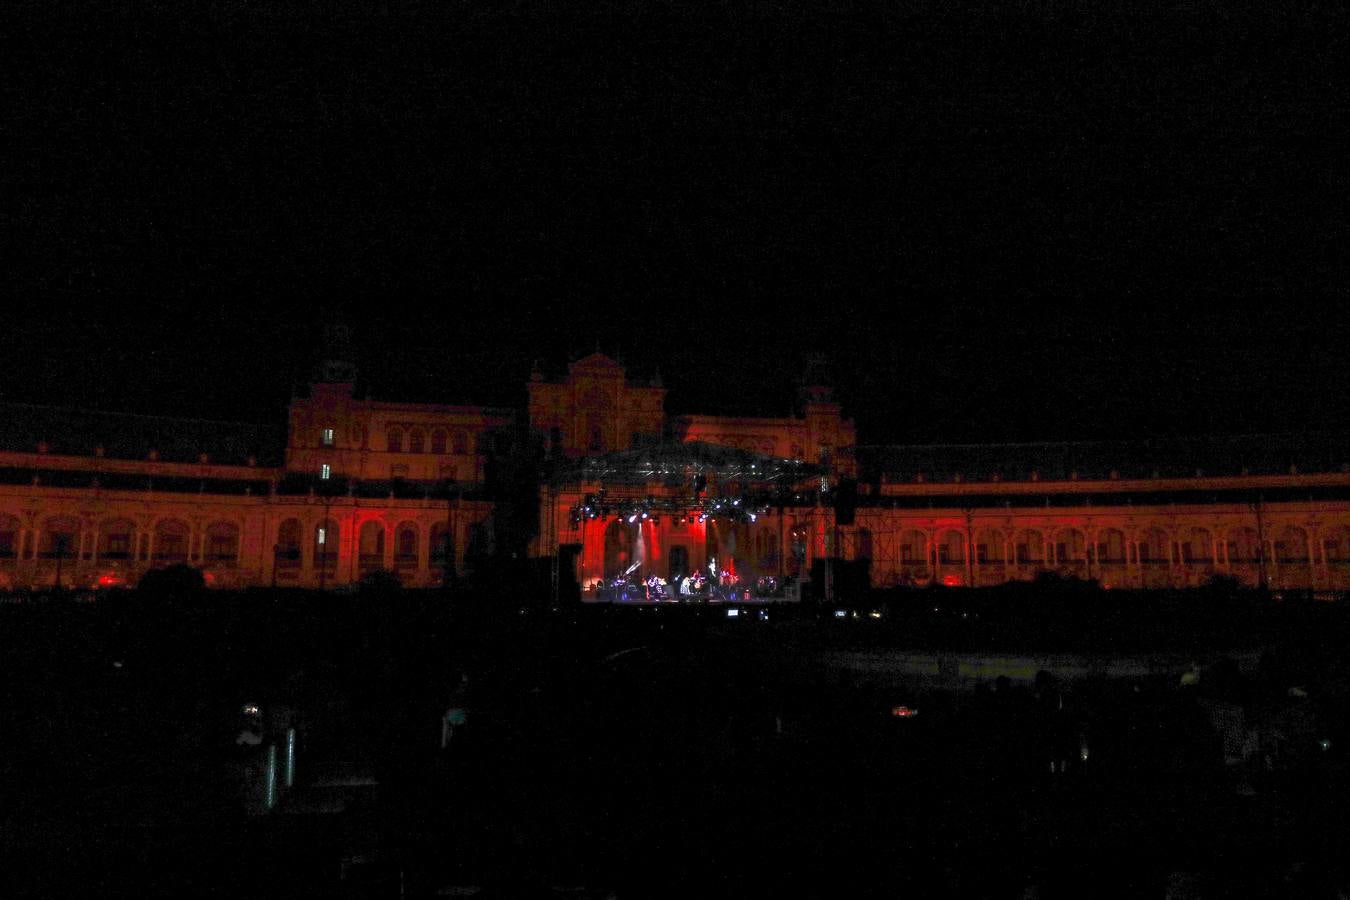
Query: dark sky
(1000, 221)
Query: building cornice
(1113, 486)
(65, 463)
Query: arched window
(951, 548)
(60, 538)
(394, 439)
(1243, 546)
(326, 544)
(461, 443)
(222, 542)
(1198, 548)
(289, 536)
(1336, 541)
(405, 544)
(1153, 547)
(438, 441)
(171, 541)
(988, 546)
(371, 542)
(1070, 546)
(116, 539)
(417, 439)
(9, 537)
(1111, 546)
(1030, 545)
(1292, 546)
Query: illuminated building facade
(357, 485)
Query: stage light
(644, 514)
(752, 517)
(632, 518)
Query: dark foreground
(639, 753)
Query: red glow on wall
(951, 580)
(904, 712)
(105, 581)
(653, 542)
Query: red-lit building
(356, 485)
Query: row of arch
(324, 541)
(168, 540)
(417, 440)
(1195, 545)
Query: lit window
(325, 471)
(323, 533)
(328, 437)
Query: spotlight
(632, 518)
(752, 517)
(644, 514)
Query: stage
(689, 591)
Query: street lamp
(60, 555)
(1260, 545)
(452, 522)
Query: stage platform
(637, 597)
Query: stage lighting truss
(743, 508)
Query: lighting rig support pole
(60, 556)
(970, 549)
(829, 566)
(451, 521)
(581, 557)
(323, 555)
(552, 541)
(1260, 546)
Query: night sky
(998, 221)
